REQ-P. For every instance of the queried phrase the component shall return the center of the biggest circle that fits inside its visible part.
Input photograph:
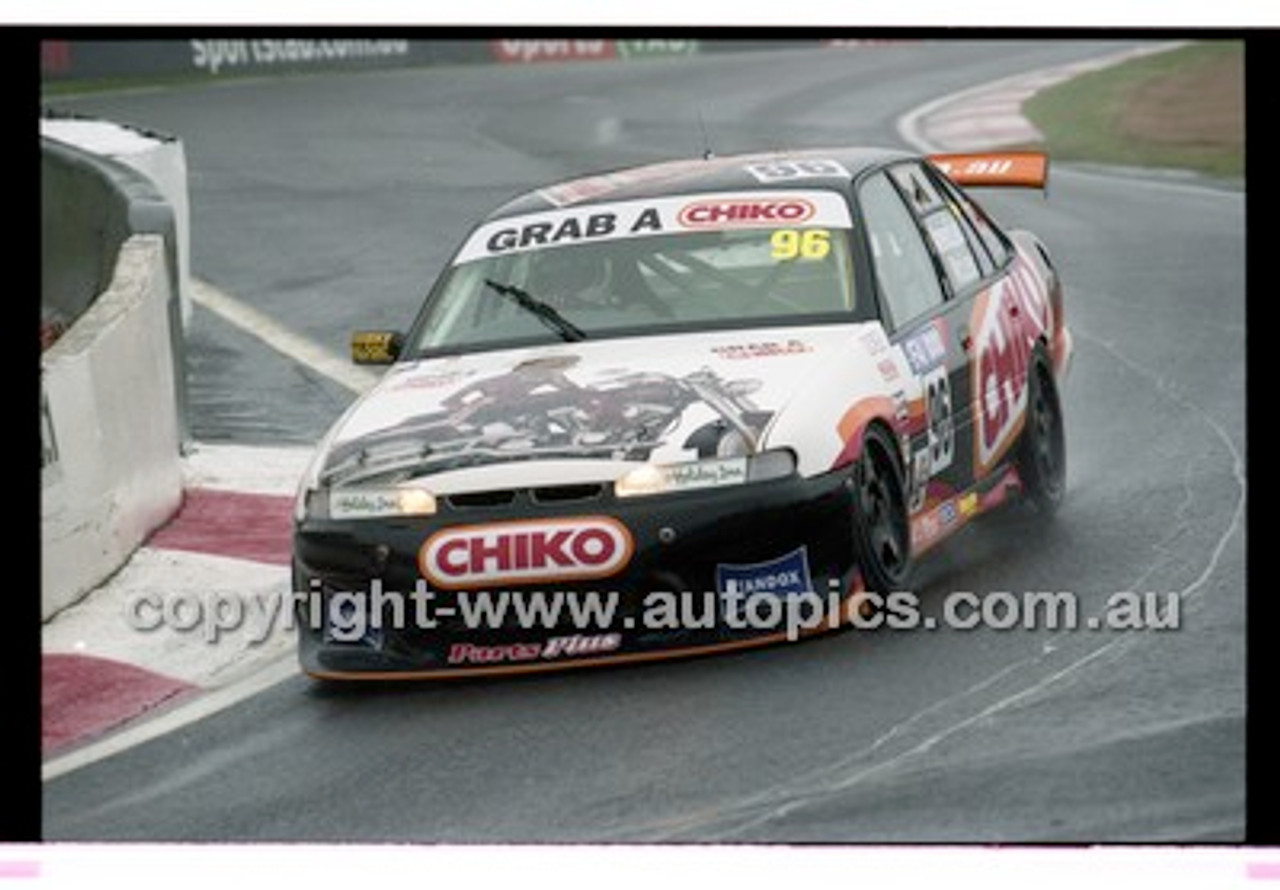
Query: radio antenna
(707, 153)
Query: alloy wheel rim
(883, 529)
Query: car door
(1004, 322)
(927, 274)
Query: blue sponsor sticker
(927, 349)
(947, 512)
(778, 579)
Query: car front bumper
(709, 570)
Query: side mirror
(376, 347)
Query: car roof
(829, 168)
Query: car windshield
(697, 261)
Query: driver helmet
(571, 277)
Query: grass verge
(1183, 108)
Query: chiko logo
(1005, 320)
(526, 551)
(746, 211)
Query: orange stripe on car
(855, 420)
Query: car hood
(584, 407)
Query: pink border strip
(18, 868)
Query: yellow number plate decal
(806, 244)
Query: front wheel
(1042, 454)
(881, 527)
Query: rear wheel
(1042, 455)
(881, 527)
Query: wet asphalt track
(329, 203)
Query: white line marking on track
(1152, 178)
(1167, 389)
(284, 341)
(203, 705)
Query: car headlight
(713, 473)
(734, 444)
(369, 502)
(309, 485)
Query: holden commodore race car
(651, 412)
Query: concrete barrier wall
(112, 395)
(90, 204)
(83, 221)
(110, 470)
(77, 198)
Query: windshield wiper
(364, 465)
(546, 313)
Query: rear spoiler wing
(1013, 169)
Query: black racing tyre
(1042, 451)
(881, 525)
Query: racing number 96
(810, 244)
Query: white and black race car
(655, 411)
